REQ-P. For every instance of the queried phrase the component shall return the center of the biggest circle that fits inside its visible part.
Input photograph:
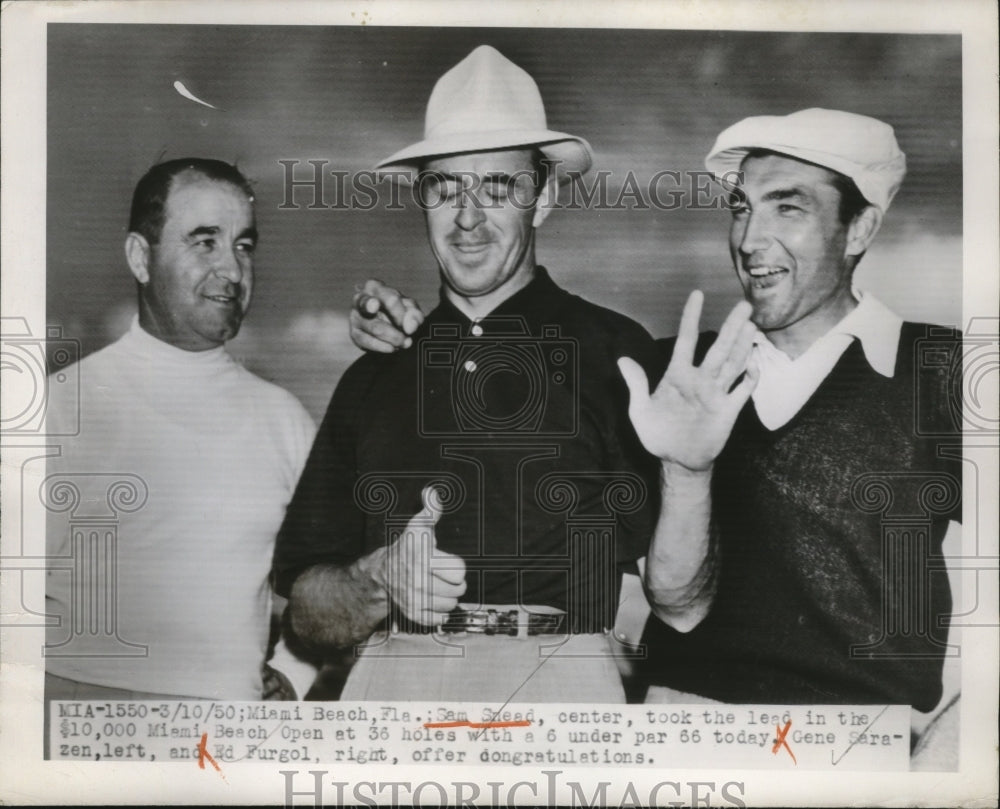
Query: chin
(766, 321)
(223, 333)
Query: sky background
(647, 101)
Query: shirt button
(470, 366)
(477, 330)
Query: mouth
(223, 300)
(470, 247)
(764, 276)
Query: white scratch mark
(180, 88)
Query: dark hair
(852, 201)
(149, 200)
(542, 165)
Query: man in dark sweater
(810, 566)
(829, 503)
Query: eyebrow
(213, 230)
(490, 176)
(787, 193)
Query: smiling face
(481, 214)
(197, 279)
(793, 254)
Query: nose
(470, 213)
(755, 234)
(229, 265)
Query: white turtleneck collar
(139, 340)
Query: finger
(271, 686)
(687, 334)
(449, 568)
(419, 531)
(372, 287)
(418, 540)
(728, 334)
(376, 300)
(366, 297)
(377, 297)
(366, 342)
(391, 303)
(431, 608)
(739, 354)
(445, 588)
(433, 499)
(366, 305)
(636, 380)
(389, 332)
(372, 344)
(741, 393)
(376, 334)
(413, 316)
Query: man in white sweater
(189, 457)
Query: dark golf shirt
(520, 419)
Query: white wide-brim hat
(859, 147)
(487, 103)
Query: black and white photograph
(576, 406)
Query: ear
(137, 251)
(546, 201)
(862, 230)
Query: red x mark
(780, 742)
(203, 754)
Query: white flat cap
(487, 103)
(856, 146)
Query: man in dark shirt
(508, 421)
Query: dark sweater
(815, 522)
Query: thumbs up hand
(424, 581)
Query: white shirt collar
(785, 385)
(877, 328)
(874, 325)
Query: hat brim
(726, 162)
(572, 156)
(729, 160)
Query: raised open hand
(689, 416)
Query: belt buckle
(492, 622)
(476, 621)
